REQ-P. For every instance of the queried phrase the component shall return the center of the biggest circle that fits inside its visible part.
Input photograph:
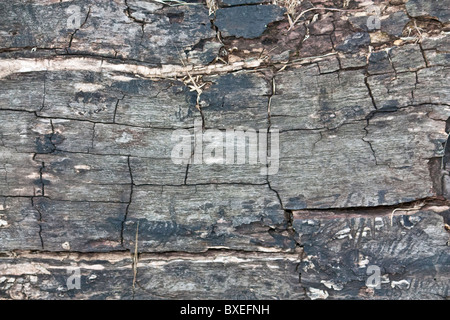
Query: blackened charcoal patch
(389, 106)
(56, 139)
(177, 17)
(41, 182)
(447, 125)
(381, 196)
(44, 144)
(247, 21)
(350, 270)
(282, 241)
(296, 203)
(272, 211)
(354, 42)
(379, 63)
(305, 228)
(220, 96)
(446, 216)
(205, 50)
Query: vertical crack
(269, 101)
(288, 215)
(427, 64)
(187, 171)
(316, 142)
(45, 91)
(272, 93)
(370, 116)
(128, 13)
(52, 136)
(367, 141)
(129, 203)
(213, 6)
(41, 180)
(366, 82)
(115, 108)
(39, 222)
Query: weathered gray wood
(87, 96)
(226, 173)
(166, 104)
(415, 59)
(134, 141)
(213, 275)
(22, 91)
(157, 171)
(19, 174)
(91, 93)
(23, 132)
(305, 99)
(72, 135)
(421, 8)
(247, 22)
(322, 163)
(19, 224)
(237, 276)
(412, 254)
(84, 177)
(194, 218)
(436, 50)
(236, 101)
(64, 228)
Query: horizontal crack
(428, 202)
(161, 255)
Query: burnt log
(119, 168)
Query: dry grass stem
(416, 207)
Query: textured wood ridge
(91, 93)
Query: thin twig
(212, 6)
(416, 207)
(175, 3)
(307, 59)
(194, 86)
